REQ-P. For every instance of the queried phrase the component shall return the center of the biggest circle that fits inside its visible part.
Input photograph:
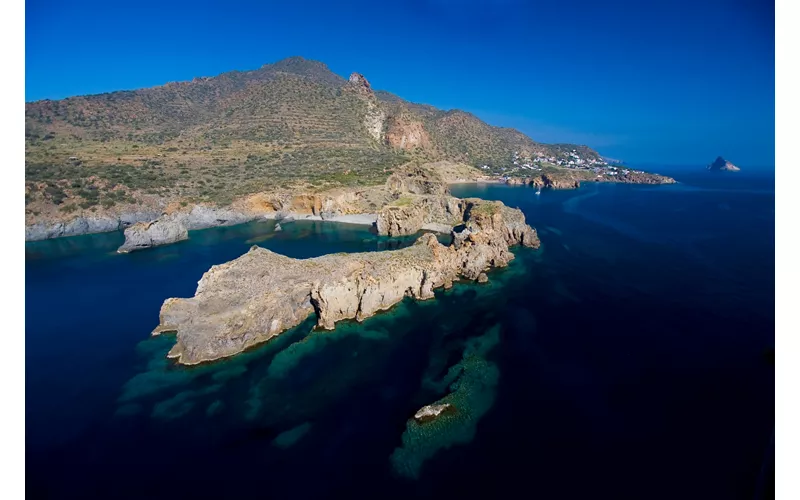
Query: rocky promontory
(564, 178)
(261, 294)
(723, 165)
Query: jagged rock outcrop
(721, 164)
(360, 83)
(410, 213)
(375, 116)
(261, 294)
(174, 227)
(162, 231)
(422, 202)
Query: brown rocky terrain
(426, 183)
(261, 294)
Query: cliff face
(411, 213)
(375, 116)
(421, 201)
(417, 180)
(405, 132)
(261, 294)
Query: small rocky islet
(722, 165)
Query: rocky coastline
(261, 294)
(413, 198)
(571, 179)
(44, 230)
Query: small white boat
(539, 191)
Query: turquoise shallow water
(625, 359)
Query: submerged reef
(472, 394)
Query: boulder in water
(431, 412)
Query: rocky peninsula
(261, 294)
(572, 178)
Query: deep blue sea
(628, 358)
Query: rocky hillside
(288, 124)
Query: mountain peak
(309, 68)
(296, 61)
(360, 82)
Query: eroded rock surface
(261, 294)
(374, 115)
(86, 225)
(171, 228)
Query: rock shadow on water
(472, 394)
(563, 294)
(313, 371)
(316, 341)
(171, 388)
(215, 408)
(128, 410)
(260, 239)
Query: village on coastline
(527, 165)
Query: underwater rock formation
(472, 394)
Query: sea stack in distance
(723, 165)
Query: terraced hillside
(291, 124)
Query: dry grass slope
(288, 125)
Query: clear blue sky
(675, 82)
